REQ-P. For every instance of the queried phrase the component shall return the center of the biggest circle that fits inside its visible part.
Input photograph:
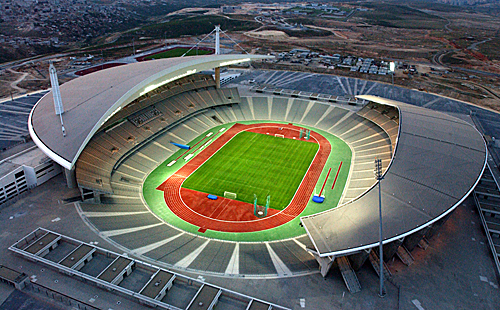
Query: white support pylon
(217, 52)
(217, 40)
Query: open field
(399, 16)
(253, 163)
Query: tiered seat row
(386, 117)
(367, 139)
(197, 81)
(110, 146)
(140, 155)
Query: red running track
(220, 218)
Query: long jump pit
(228, 215)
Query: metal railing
(59, 297)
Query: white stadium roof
(92, 99)
(437, 162)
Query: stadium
(257, 182)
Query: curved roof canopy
(437, 162)
(92, 99)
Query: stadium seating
(118, 159)
(371, 136)
(131, 134)
(385, 117)
(371, 133)
(193, 82)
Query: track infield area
(255, 163)
(228, 215)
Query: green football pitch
(253, 163)
(177, 52)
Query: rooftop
(424, 182)
(91, 99)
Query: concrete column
(391, 249)
(70, 178)
(357, 260)
(217, 77)
(434, 228)
(412, 240)
(97, 197)
(325, 263)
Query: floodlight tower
(379, 176)
(57, 95)
(217, 52)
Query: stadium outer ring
(53, 148)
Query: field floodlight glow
(232, 62)
(155, 86)
(392, 68)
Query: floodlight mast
(379, 176)
(56, 93)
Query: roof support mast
(57, 95)
(217, 52)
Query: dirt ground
(273, 35)
(467, 41)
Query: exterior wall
(13, 184)
(23, 178)
(46, 171)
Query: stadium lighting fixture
(232, 62)
(392, 68)
(379, 176)
(111, 115)
(154, 86)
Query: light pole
(379, 177)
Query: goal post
(261, 211)
(230, 195)
(277, 135)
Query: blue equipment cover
(182, 146)
(318, 199)
(213, 197)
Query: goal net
(277, 135)
(260, 211)
(230, 195)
